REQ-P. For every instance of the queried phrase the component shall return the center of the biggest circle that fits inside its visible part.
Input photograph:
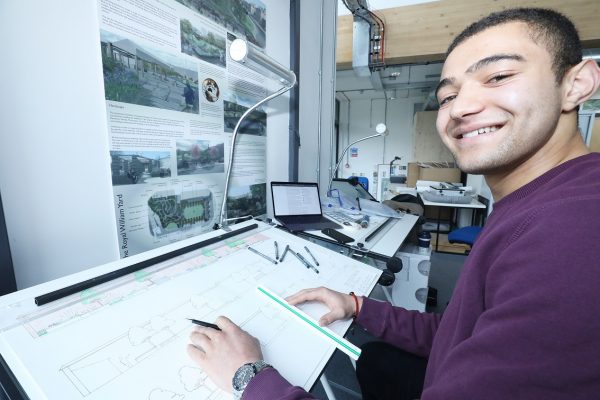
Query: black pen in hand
(205, 324)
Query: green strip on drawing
(289, 308)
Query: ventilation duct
(368, 38)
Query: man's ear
(580, 83)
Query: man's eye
(446, 100)
(498, 78)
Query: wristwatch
(244, 374)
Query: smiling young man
(523, 320)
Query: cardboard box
(429, 172)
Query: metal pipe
(320, 109)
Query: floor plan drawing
(128, 338)
(91, 300)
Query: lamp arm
(269, 64)
(281, 91)
(342, 157)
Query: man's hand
(341, 306)
(221, 353)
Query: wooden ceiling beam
(422, 32)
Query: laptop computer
(296, 205)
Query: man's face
(499, 101)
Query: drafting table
(126, 338)
(473, 205)
(382, 242)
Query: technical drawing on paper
(127, 338)
(112, 359)
(94, 299)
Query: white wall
(54, 158)
(358, 119)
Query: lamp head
(245, 53)
(381, 129)
(238, 50)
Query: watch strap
(256, 366)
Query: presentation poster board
(173, 98)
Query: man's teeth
(479, 131)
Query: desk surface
(473, 204)
(386, 241)
(126, 338)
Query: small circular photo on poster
(211, 90)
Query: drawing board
(127, 338)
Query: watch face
(243, 376)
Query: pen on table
(206, 324)
(358, 202)
(306, 263)
(262, 255)
(276, 250)
(312, 255)
(287, 247)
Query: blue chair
(468, 234)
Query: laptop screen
(294, 198)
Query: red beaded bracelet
(355, 305)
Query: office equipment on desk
(127, 338)
(311, 254)
(298, 207)
(287, 248)
(364, 221)
(266, 257)
(304, 261)
(276, 250)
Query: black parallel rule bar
(78, 287)
(377, 230)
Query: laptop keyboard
(338, 216)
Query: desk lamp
(245, 53)
(381, 130)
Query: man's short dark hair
(548, 28)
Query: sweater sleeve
(270, 385)
(412, 331)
